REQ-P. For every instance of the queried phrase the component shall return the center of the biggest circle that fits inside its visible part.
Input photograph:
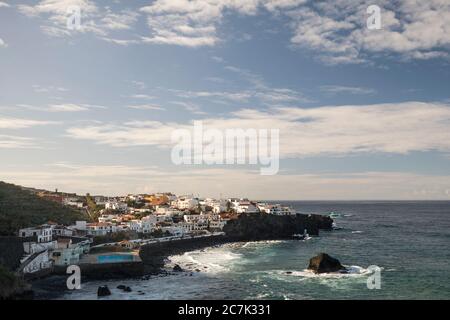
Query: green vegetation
(114, 237)
(21, 208)
(94, 209)
(10, 284)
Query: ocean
(409, 241)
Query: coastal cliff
(248, 227)
(254, 227)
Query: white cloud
(258, 90)
(191, 107)
(4, 5)
(265, 93)
(145, 133)
(142, 96)
(336, 30)
(146, 107)
(190, 23)
(240, 96)
(66, 107)
(2, 43)
(16, 142)
(273, 5)
(45, 89)
(17, 123)
(119, 21)
(324, 131)
(346, 89)
(101, 21)
(139, 84)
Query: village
(128, 222)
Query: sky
(363, 114)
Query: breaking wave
(210, 260)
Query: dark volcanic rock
(177, 268)
(121, 287)
(323, 263)
(248, 227)
(254, 227)
(103, 291)
(127, 289)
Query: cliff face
(249, 227)
(253, 227)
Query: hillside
(20, 208)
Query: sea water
(409, 241)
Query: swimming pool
(115, 258)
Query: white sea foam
(357, 231)
(210, 260)
(260, 243)
(352, 271)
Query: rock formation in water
(103, 291)
(177, 268)
(323, 263)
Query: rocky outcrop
(254, 227)
(324, 263)
(177, 268)
(248, 227)
(103, 291)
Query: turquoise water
(115, 258)
(410, 241)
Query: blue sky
(363, 114)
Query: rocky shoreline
(154, 256)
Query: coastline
(154, 255)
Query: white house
(73, 203)
(42, 233)
(234, 203)
(168, 211)
(246, 206)
(79, 225)
(116, 205)
(186, 203)
(194, 218)
(60, 230)
(176, 231)
(100, 200)
(193, 226)
(107, 218)
(276, 209)
(100, 228)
